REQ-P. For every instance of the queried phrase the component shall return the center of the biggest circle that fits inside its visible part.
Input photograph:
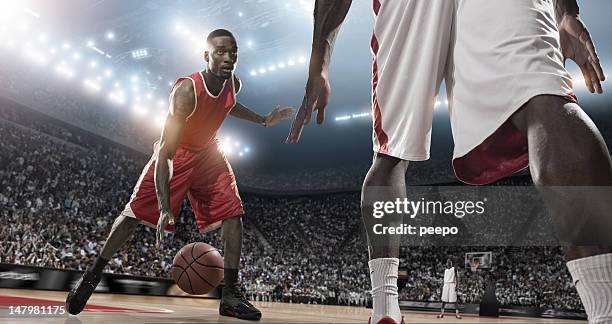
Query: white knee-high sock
(383, 273)
(592, 277)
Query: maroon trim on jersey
(381, 136)
(502, 154)
(376, 6)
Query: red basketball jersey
(203, 124)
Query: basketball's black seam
(202, 279)
(206, 265)
(184, 270)
(194, 260)
(189, 279)
(182, 256)
(203, 254)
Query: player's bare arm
(276, 116)
(182, 104)
(577, 44)
(328, 18)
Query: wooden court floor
(131, 309)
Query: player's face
(222, 56)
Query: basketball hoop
(474, 265)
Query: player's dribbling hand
(577, 45)
(165, 218)
(316, 98)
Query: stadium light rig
(140, 54)
(353, 116)
(291, 62)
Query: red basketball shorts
(205, 177)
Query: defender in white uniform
(475, 47)
(449, 289)
(511, 104)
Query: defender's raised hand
(577, 45)
(317, 95)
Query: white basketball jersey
(449, 275)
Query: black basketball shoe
(78, 296)
(234, 304)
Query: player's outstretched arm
(182, 104)
(328, 17)
(276, 116)
(577, 44)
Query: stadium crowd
(60, 192)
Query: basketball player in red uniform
(511, 104)
(188, 161)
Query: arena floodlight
(302, 59)
(240, 14)
(134, 78)
(66, 46)
(76, 56)
(160, 121)
(110, 35)
(93, 64)
(262, 70)
(139, 110)
(281, 65)
(91, 43)
(108, 73)
(237, 144)
(272, 68)
(140, 54)
(291, 62)
(253, 73)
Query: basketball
(197, 268)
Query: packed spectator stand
(62, 187)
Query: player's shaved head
(219, 33)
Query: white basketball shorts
(449, 293)
(495, 55)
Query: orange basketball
(197, 268)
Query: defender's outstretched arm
(328, 17)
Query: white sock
(383, 274)
(592, 277)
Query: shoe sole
(249, 316)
